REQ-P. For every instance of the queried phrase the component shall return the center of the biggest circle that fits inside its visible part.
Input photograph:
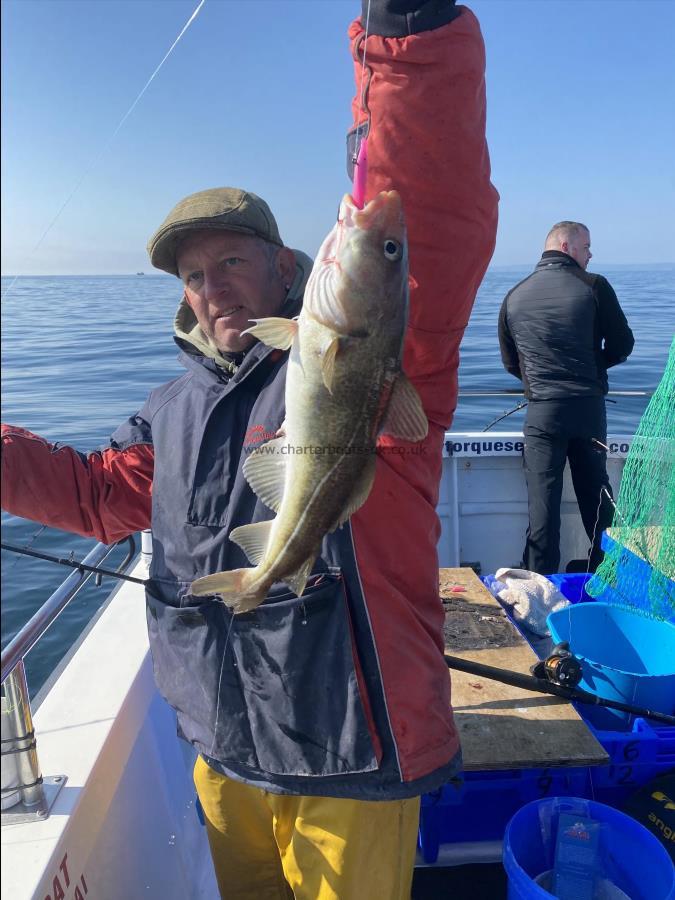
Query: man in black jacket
(559, 331)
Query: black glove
(398, 18)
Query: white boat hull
(483, 501)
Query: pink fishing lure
(360, 171)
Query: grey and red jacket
(343, 692)
(561, 328)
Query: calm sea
(79, 355)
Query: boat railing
(26, 795)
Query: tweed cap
(223, 208)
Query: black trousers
(556, 431)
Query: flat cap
(229, 209)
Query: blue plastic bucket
(634, 863)
(625, 656)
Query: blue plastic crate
(483, 803)
(634, 571)
(636, 757)
(572, 586)
(479, 808)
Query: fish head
(360, 278)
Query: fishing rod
(505, 415)
(559, 667)
(73, 564)
(518, 393)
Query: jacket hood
(188, 331)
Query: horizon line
(160, 274)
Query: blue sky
(256, 94)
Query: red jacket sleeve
(425, 97)
(106, 495)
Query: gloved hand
(398, 18)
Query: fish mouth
(383, 210)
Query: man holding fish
(290, 478)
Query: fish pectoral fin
(274, 331)
(360, 493)
(253, 539)
(298, 580)
(265, 471)
(405, 416)
(236, 588)
(329, 351)
(232, 582)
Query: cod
(344, 388)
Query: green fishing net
(639, 564)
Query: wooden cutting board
(504, 727)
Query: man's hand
(398, 18)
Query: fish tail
(237, 588)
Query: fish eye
(392, 249)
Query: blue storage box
(480, 807)
(636, 575)
(572, 586)
(635, 758)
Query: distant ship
(140, 273)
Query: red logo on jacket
(256, 434)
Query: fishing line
(112, 137)
(588, 557)
(121, 123)
(643, 549)
(220, 678)
(603, 490)
(28, 546)
(363, 108)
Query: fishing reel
(560, 666)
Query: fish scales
(324, 461)
(344, 385)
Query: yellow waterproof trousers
(277, 847)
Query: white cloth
(530, 596)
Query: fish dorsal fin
(274, 331)
(298, 580)
(329, 350)
(360, 492)
(265, 471)
(253, 539)
(405, 416)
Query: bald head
(571, 238)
